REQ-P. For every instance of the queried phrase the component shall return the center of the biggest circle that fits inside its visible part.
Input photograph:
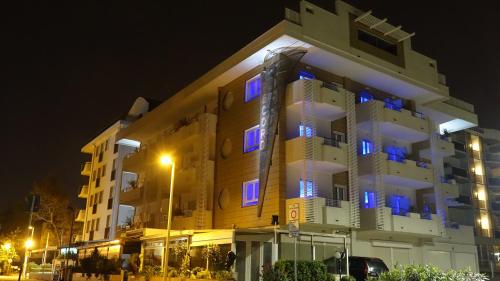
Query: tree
(8, 244)
(54, 202)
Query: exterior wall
(102, 187)
(239, 167)
(190, 141)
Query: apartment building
(103, 172)
(475, 167)
(330, 120)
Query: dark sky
(70, 68)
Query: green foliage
(204, 274)
(184, 270)
(348, 278)
(224, 275)
(429, 273)
(215, 257)
(306, 271)
(149, 271)
(172, 272)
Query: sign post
(293, 229)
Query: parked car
(359, 267)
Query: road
(12, 278)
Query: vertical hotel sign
(277, 67)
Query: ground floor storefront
(254, 249)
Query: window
(88, 226)
(306, 188)
(304, 75)
(378, 42)
(365, 96)
(253, 88)
(369, 200)
(395, 153)
(97, 224)
(394, 104)
(103, 171)
(250, 195)
(366, 147)
(400, 205)
(92, 225)
(305, 131)
(339, 193)
(100, 197)
(252, 137)
(115, 148)
(106, 146)
(91, 201)
(108, 221)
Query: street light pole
(166, 160)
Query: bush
(149, 271)
(429, 272)
(347, 278)
(306, 271)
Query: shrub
(306, 271)
(347, 278)
(429, 272)
(149, 271)
(224, 275)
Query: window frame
(306, 188)
(247, 149)
(249, 88)
(245, 201)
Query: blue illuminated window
(394, 104)
(252, 137)
(250, 193)
(253, 88)
(304, 75)
(395, 153)
(306, 188)
(369, 200)
(366, 147)
(305, 131)
(400, 205)
(365, 96)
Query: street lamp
(167, 160)
(28, 245)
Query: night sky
(71, 68)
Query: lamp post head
(166, 160)
(29, 244)
(6, 246)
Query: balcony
(410, 225)
(399, 123)
(329, 100)
(448, 190)
(188, 221)
(81, 216)
(442, 147)
(322, 211)
(84, 192)
(327, 156)
(86, 169)
(134, 162)
(131, 195)
(407, 173)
